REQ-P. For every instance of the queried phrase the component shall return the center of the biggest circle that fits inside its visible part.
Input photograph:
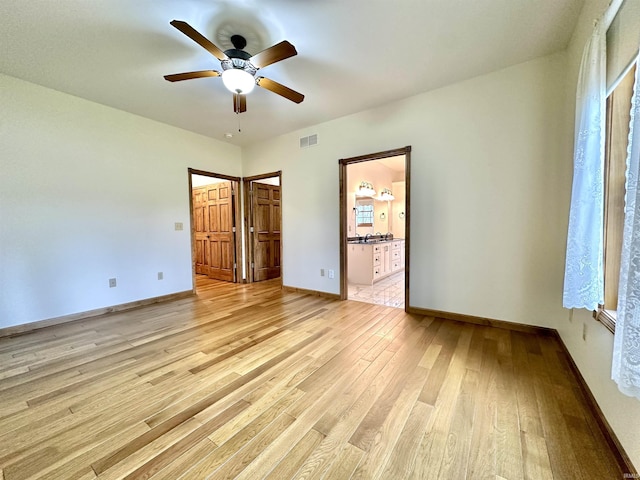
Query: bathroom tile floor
(388, 291)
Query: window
(616, 140)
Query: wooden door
(213, 207)
(200, 226)
(266, 218)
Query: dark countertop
(372, 240)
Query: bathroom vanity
(372, 261)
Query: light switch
(178, 225)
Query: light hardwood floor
(248, 382)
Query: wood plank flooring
(249, 382)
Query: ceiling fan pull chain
(237, 109)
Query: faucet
(367, 237)
(388, 236)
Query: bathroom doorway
(374, 228)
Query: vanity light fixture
(365, 190)
(386, 195)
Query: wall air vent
(309, 141)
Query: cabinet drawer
(376, 248)
(395, 255)
(376, 259)
(377, 271)
(396, 266)
(396, 245)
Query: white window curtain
(584, 275)
(626, 348)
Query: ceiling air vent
(309, 141)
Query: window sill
(608, 319)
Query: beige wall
(202, 180)
(89, 193)
(398, 206)
(489, 193)
(381, 177)
(593, 355)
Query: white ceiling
(352, 54)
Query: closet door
(213, 207)
(219, 236)
(266, 231)
(200, 220)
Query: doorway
(374, 227)
(263, 220)
(215, 216)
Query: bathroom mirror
(364, 212)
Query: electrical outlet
(584, 332)
(332, 274)
(322, 272)
(178, 225)
(160, 275)
(112, 282)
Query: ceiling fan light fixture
(239, 68)
(238, 81)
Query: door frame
(342, 164)
(237, 219)
(247, 211)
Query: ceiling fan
(239, 68)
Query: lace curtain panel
(584, 275)
(626, 347)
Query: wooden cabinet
(368, 263)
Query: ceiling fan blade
(197, 37)
(273, 54)
(239, 103)
(280, 89)
(176, 77)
